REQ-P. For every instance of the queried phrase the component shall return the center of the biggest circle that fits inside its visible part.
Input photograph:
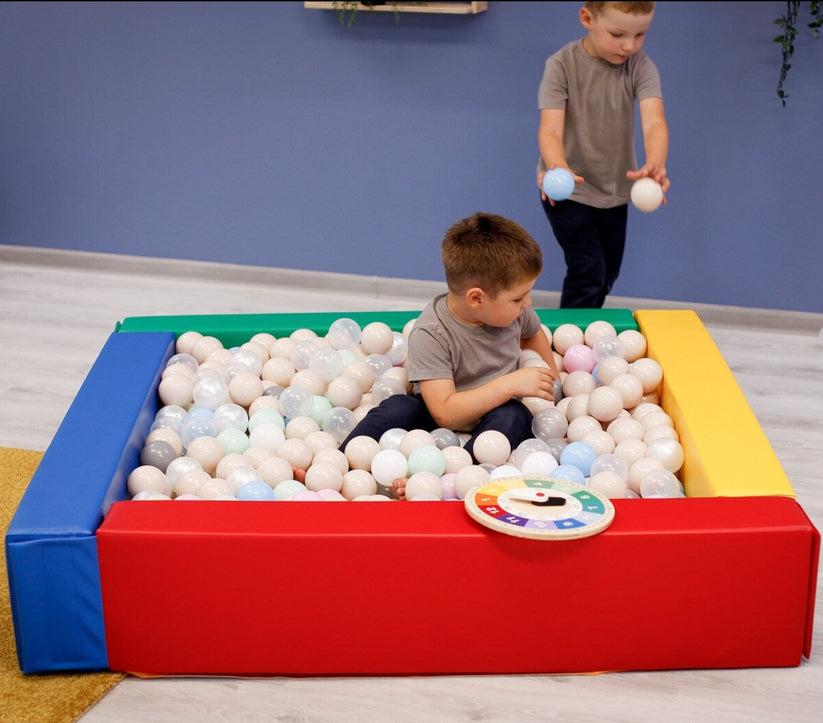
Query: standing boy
(587, 105)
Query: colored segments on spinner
(577, 512)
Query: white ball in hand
(647, 195)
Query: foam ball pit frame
(724, 578)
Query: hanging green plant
(347, 11)
(788, 26)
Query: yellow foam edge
(727, 454)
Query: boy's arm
(462, 410)
(655, 142)
(550, 142)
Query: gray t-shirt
(440, 347)
(599, 100)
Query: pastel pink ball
(579, 356)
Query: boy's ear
(475, 297)
(586, 18)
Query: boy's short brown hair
(630, 8)
(489, 251)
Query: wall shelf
(456, 8)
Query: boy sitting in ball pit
(464, 348)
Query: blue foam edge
(51, 545)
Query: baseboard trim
(378, 286)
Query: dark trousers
(409, 412)
(593, 241)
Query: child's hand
(655, 172)
(541, 176)
(532, 382)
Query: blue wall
(269, 134)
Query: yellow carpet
(43, 698)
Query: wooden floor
(56, 311)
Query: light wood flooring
(58, 308)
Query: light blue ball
(558, 184)
(568, 472)
(255, 490)
(580, 455)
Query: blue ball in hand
(558, 184)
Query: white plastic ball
(456, 458)
(491, 447)
(267, 435)
(630, 449)
(630, 388)
(207, 451)
(639, 469)
(600, 441)
(186, 341)
(648, 371)
(360, 452)
(244, 388)
(424, 483)
(362, 372)
(296, 452)
(320, 440)
(358, 482)
(344, 391)
(634, 344)
(279, 370)
(527, 447)
(625, 428)
(646, 195)
(608, 483)
(399, 349)
(274, 470)
(324, 475)
(505, 471)
(376, 338)
(661, 431)
(565, 336)
(580, 426)
(414, 438)
(611, 368)
(605, 403)
(578, 382)
(300, 427)
(147, 478)
(660, 483)
(669, 452)
(469, 477)
(538, 463)
(389, 465)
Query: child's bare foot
(299, 474)
(399, 487)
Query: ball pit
(316, 391)
(76, 535)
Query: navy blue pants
(593, 241)
(409, 412)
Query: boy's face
(613, 35)
(504, 308)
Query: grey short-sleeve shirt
(599, 100)
(440, 347)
